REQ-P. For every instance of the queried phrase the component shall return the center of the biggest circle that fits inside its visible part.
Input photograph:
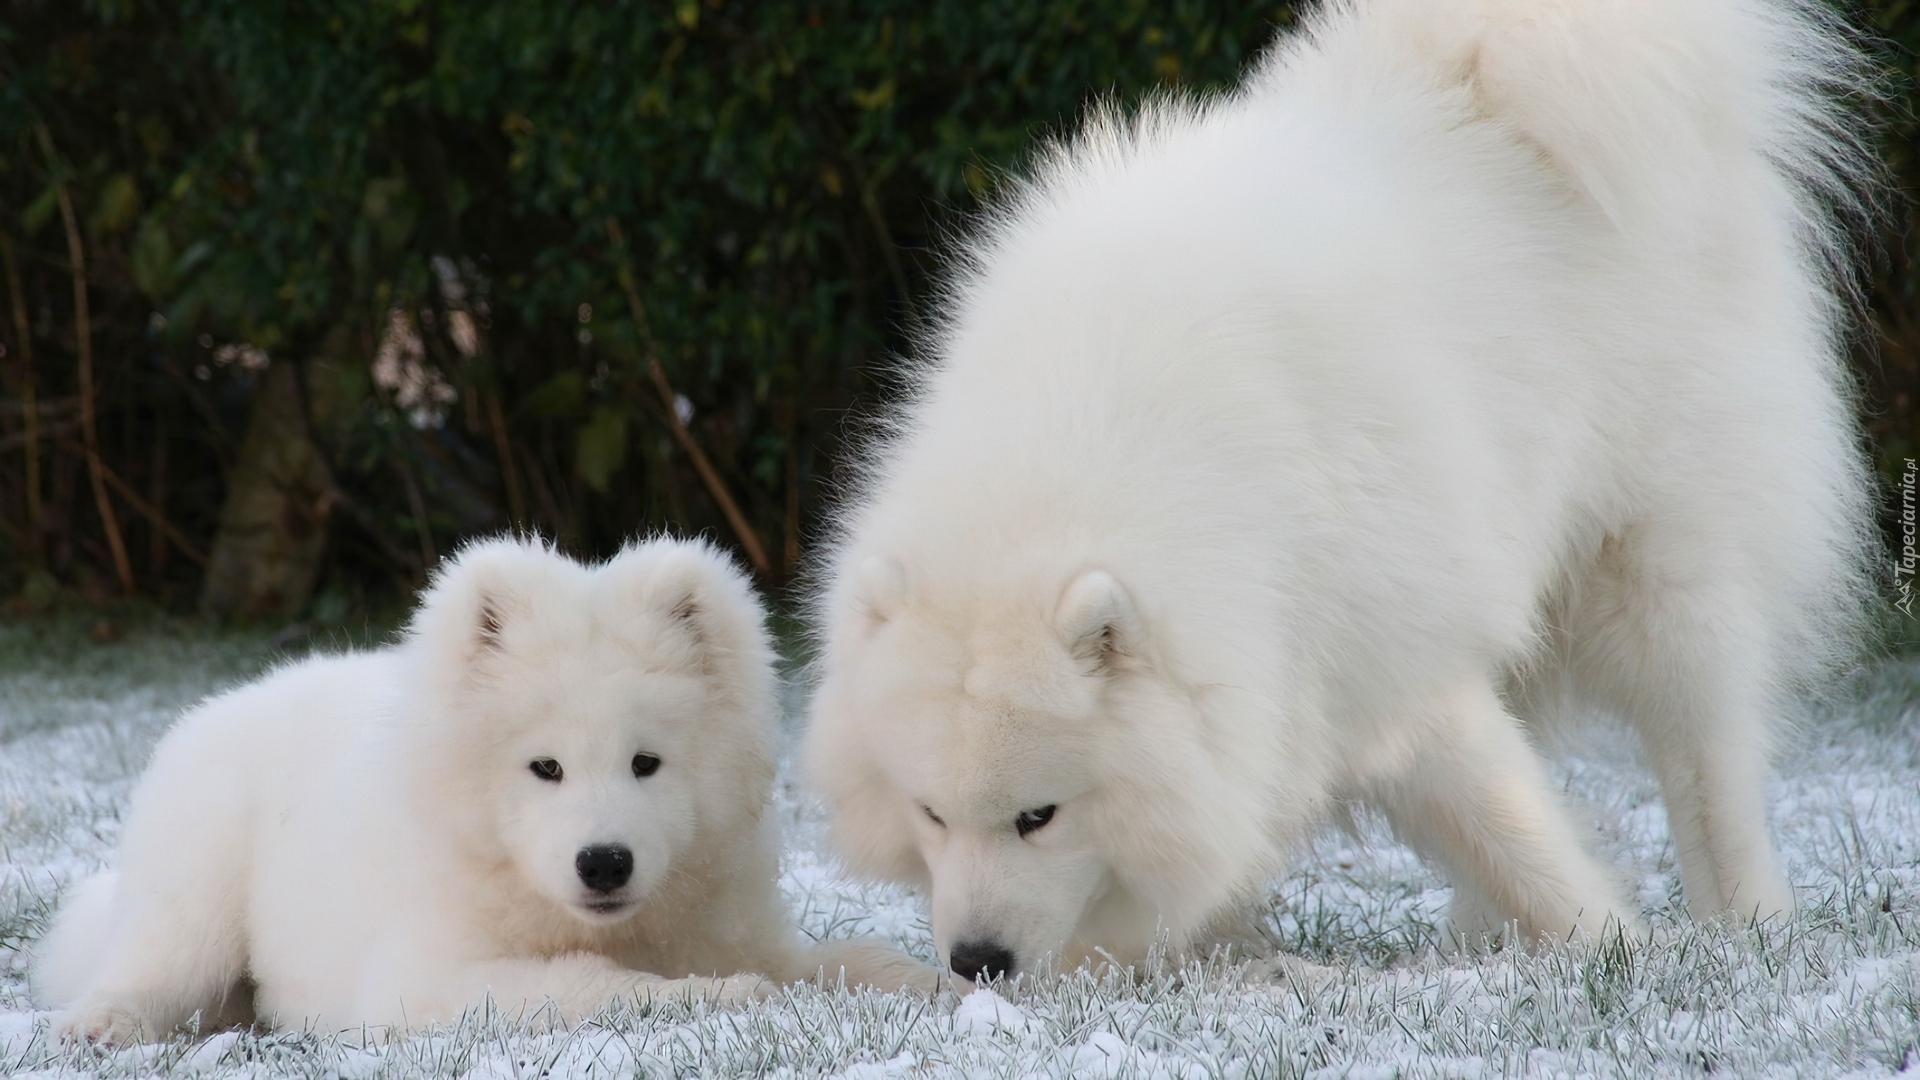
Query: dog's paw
(100, 1022)
(1287, 969)
(876, 965)
(1463, 937)
(927, 979)
(912, 977)
(734, 989)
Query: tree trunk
(279, 499)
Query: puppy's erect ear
(680, 589)
(1096, 620)
(488, 630)
(879, 587)
(477, 595)
(711, 618)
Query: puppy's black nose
(604, 867)
(979, 961)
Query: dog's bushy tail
(1649, 106)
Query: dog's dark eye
(931, 816)
(546, 769)
(1030, 820)
(645, 765)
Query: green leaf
(39, 210)
(152, 259)
(119, 205)
(877, 98)
(558, 397)
(601, 447)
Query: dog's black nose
(604, 867)
(979, 961)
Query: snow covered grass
(1836, 991)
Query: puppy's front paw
(927, 979)
(103, 1022)
(875, 964)
(1284, 968)
(737, 989)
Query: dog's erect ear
(1096, 620)
(681, 590)
(487, 635)
(713, 620)
(879, 587)
(477, 595)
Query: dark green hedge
(772, 178)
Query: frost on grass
(1835, 991)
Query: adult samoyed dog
(1474, 361)
(553, 792)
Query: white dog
(553, 791)
(1474, 359)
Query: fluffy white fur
(362, 840)
(1476, 359)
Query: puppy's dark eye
(546, 769)
(1030, 820)
(645, 765)
(931, 816)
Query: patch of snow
(984, 1012)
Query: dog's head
(597, 724)
(1021, 756)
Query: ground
(1834, 992)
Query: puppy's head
(597, 725)
(1012, 746)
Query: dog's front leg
(1477, 800)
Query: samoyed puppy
(1475, 361)
(553, 792)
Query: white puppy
(553, 791)
(1473, 359)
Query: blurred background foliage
(354, 279)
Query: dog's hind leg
(173, 920)
(1476, 798)
(1714, 788)
(1680, 654)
